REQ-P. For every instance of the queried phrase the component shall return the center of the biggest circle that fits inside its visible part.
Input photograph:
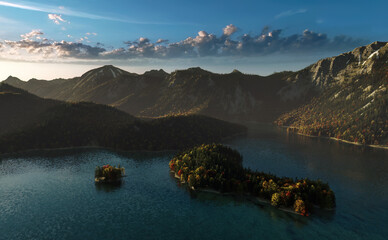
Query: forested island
(218, 168)
(108, 174)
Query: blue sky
(52, 38)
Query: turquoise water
(51, 195)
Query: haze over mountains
(234, 96)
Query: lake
(52, 194)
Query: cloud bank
(33, 46)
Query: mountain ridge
(157, 93)
(231, 96)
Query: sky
(65, 38)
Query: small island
(108, 174)
(217, 168)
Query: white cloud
(31, 35)
(229, 29)
(34, 47)
(57, 19)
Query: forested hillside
(356, 110)
(60, 124)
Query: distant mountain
(233, 96)
(30, 122)
(353, 103)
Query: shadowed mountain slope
(30, 122)
(233, 96)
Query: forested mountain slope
(30, 122)
(353, 107)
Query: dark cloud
(203, 45)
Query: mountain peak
(14, 81)
(104, 72)
(192, 70)
(156, 73)
(196, 69)
(110, 67)
(364, 52)
(379, 44)
(12, 78)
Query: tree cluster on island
(219, 168)
(108, 174)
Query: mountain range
(233, 96)
(303, 100)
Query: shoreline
(111, 149)
(253, 199)
(86, 147)
(335, 139)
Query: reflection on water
(226, 200)
(50, 194)
(109, 187)
(315, 157)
